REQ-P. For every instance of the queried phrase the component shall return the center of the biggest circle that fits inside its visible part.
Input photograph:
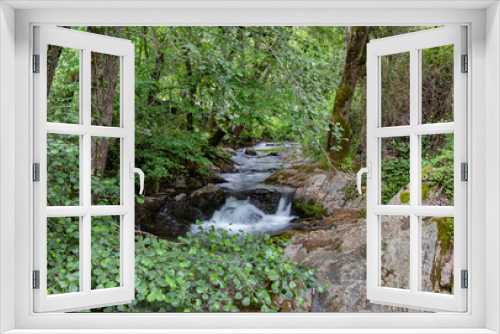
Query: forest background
(200, 88)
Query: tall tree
(105, 70)
(339, 133)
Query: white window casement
(414, 47)
(474, 310)
(84, 135)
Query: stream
(240, 212)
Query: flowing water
(238, 213)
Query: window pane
(63, 170)
(437, 170)
(437, 84)
(105, 252)
(395, 170)
(395, 251)
(63, 85)
(395, 90)
(437, 254)
(105, 89)
(63, 255)
(105, 171)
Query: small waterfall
(285, 205)
(239, 214)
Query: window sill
(251, 331)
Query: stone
(208, 199)
(286, 305)
(180, 197)
(338, 256)
(180, 181)
(229, 151)
(264, 199)
(214, 178)
(250, 151)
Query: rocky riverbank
(333, 241)
(320, 211)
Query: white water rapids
(237, 213)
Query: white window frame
(86, 43)
(413, 44)
(484, 103)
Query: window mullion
(414, 170)
(86, 169)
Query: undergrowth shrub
(213, 271)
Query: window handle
(133, 171)
(368, 171)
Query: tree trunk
(339, 133)
(216, 132)
(53, 55)
(192, 93)
(104, 79)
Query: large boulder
(318, 186)
(266, 200)
(145, 213)
(338, 256)
(208, 199)
(250, 151)
(172, 216)
(175, 217)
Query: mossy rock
(425, 171)
(272, 178)
(445, 227)
(324, 164)
(404, 197)
(425, 191)
(311, 210)
(310, 170)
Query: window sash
(86, 297)
(413, 43)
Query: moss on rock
(425, 191)
(404, 197)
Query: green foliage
(63, 255)
(395, 169)
(312, 210)
(438, 168)
(346, 166)
(273, 83)
(214, 271)
(63, 179)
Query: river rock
(434, 196)
(266, 200)
(175, 218)
(250, 151)
(154, 216)
(338, 256)
(180, 181)
(228, 150)
(145, 213)
(208, 199)
(214, 178)
(317, 185)
(324, 189)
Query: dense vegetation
(216, 271)
(198, 88)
